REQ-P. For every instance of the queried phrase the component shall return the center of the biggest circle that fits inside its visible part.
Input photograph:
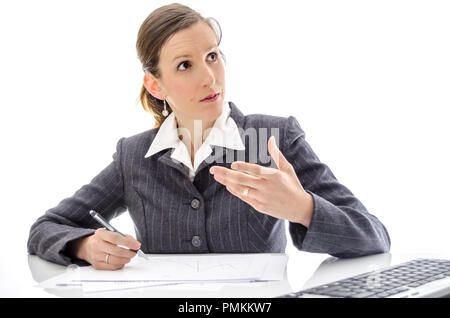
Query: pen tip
(142, 254)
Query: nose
(208, 77)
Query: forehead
(198, 37)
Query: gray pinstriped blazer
(174, 215)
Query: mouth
(211, 98)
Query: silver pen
(111, 228)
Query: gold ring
(106, 258)
(245, 193)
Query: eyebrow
(187, 55)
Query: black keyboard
(384, 282)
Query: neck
(193, 132)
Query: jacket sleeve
(340, 226)
(71, 220)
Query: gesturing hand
(276, 192)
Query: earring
(165, 112)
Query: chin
(213, 110)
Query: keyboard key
(323, 289)
(383, 294)
(440, 276)
(338, 293)
(359, 291)
(379, 290)
(363, 294)
(396, 291)
(418, 283)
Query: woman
(201, 180)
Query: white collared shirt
(224, 133)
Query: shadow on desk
(331, 269)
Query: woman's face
(191, 69)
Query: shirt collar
(224, 133)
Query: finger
(118, 239)
(99, 265)
(112, 259)
(251, 197)
(253, 169)
(276, 154)
(114, 250)
(226, 176)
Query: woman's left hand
(276, 192)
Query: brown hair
(156, 29)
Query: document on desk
(187, 267)
(163, 270)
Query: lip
(211, 98)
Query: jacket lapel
(171, 162)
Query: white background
(368, 81)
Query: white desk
(304, 270)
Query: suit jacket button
(196, 241)
(195, 204)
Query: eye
(185, 64)
(213, 54)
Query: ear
(152, 86)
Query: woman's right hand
(95, 248)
